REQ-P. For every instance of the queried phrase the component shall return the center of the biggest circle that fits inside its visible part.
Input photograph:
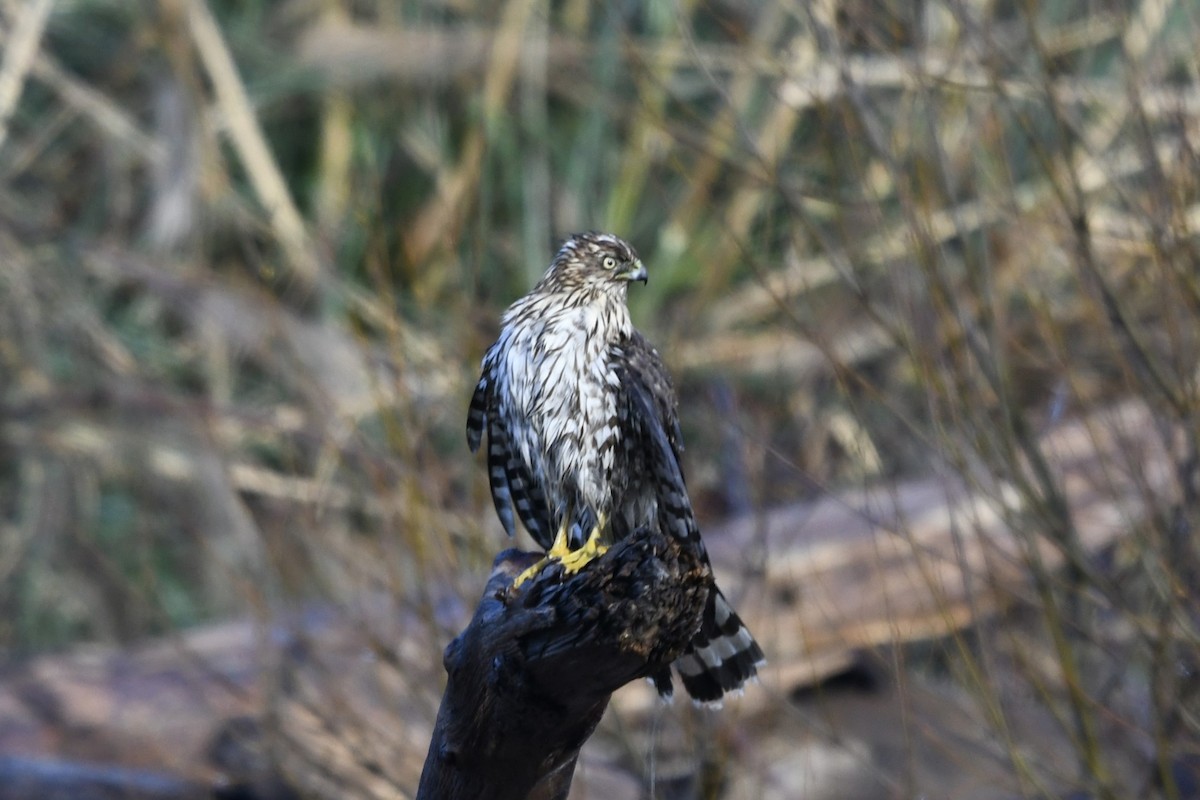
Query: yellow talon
(558, 551)
(572, 560)
(591, 550)
(562, 544)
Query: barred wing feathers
(509, 478)
(723, 655)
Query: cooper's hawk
(583, 434)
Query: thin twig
(18, 57)
(248, 139)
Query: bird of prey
(583, 434)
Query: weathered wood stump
(531, 675)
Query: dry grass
(250, 254)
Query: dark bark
(530, 677)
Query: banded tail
(721, 658)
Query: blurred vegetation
(251, 252)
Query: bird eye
(610, 262)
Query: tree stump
(530, 677)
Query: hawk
(583, 433)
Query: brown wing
(723, 655)
(652, 441)
(647, 375)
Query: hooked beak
(636, 272)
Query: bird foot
(531, 572)
(572, 560)
(558, 551)
(592, 549)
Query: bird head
(600, 261)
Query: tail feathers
(722, 656)
(662, 683)
(477, 412)
(498, 474)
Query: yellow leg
(572, 560)
(592, 549)
(562, 544)
(558, 550)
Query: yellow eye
(610, 262)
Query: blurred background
(926, 274)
